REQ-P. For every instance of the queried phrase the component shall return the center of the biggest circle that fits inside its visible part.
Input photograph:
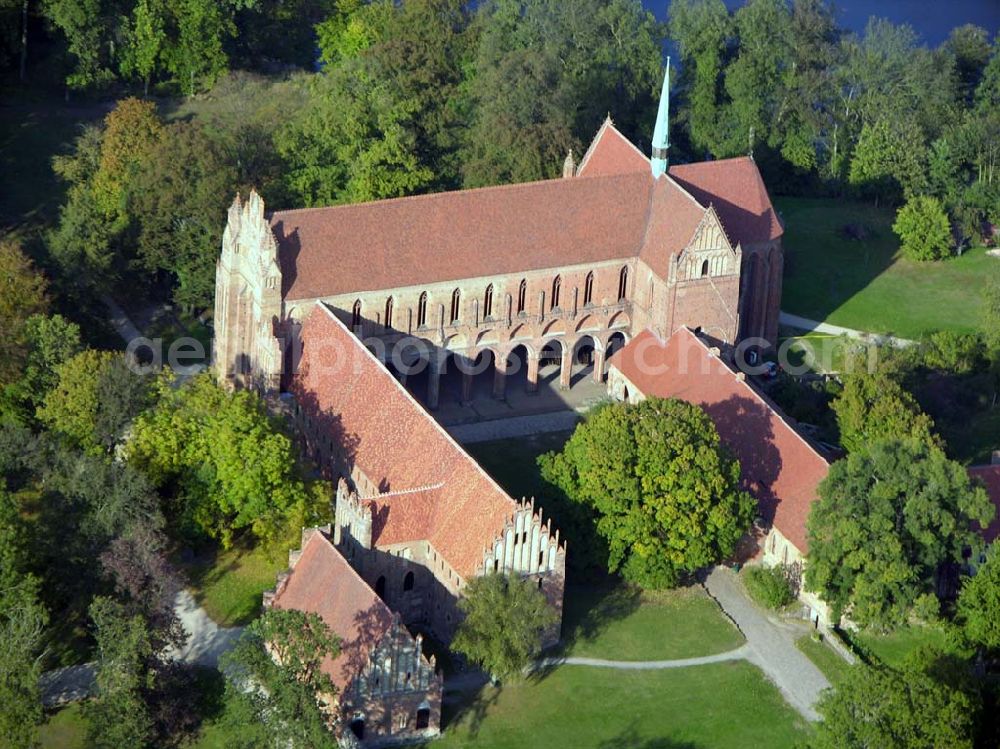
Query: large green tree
(923, 229)
(276, 679)
(879, 706)
(874, 406)
(22, 294)
(505, 620)
(225, 460)
(664, 491)
(978, 610)
(888, 516)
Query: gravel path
(770, 644)
(206, 641)
(804, 323)
(737, 654)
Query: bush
(769, 586)
(923, 229)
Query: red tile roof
(324, 583)
(990, 476)
(735, 188)
(612, 153)
(467, 234)
(673, 217)
(600, 215)
(399, 447)
(780, 467)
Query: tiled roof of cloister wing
(736, 190)
(399, 446)
(324, 583)
(779, 466)
(610, 211)
(454, 235)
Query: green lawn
(229, 583)
(622, 623)
(512, 462)
(823, 656)
(64, 729)
(895, 647)
(866, 284)
(819, 352)
(719, 705)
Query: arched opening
(704, 269)
(456, 305)
(356, 314)
(380, 587)
(615, 343)
(422, 310)
(522, 296)
(488, 302)
(408, 582)
(550, 363)
(625, 393)
(583, 359)
(622, 283)
(588, 289)
(483, 374)
(389, 304)
(517, 369)
(556, 288)
(423, 718)
(358, 728)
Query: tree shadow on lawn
(469, 707)
(591, 607)
(630, 737)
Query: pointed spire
(661, 133)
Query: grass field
(229, 583)
(720, 705)
(823, 656)
(866, 284)
(64, 729)
(620, 623)
(893, 648)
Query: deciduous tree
(887, 517)
(923, 229)
(979, 605)
(874, 406)
(664, 490)
(505, 620)
(22, 294)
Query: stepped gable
(324, 583)
(466, 234)
(612, 153)
(399, 446)
(779, 466)
(990, 476)
(735, 189)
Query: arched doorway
(483, 374)
(550, 364)
(615, 343)
(517, 369)
(380, 587)
(423, 718)
(358, 728)
(583, 359)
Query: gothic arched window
(408, 582)
(622, 283)
(356, 314)
(522, 296)
(456, 305)
(704, 269)
(488, 302)
(388, 312)
(588, 289)
(556, 286)
(422, 310)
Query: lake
(932, 19)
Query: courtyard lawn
(893, 648)
(824, 658)
(866, 284)
(719, 705)
(512, 462)
(66, 728)
(626, 624)
(229, 583)
(818, 352)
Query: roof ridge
(605, 126)
(427, 196)
(401, 492)
(353, 572)
(768, 403)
